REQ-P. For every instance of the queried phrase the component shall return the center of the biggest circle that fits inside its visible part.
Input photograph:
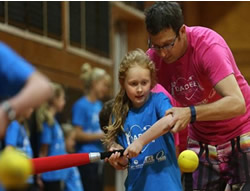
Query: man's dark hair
(164, 15)
(105, 114)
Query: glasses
(164, 47)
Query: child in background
(104, 114)
(135, 110)
(52, 139)
(17, 137)
(72, 180)
(85, 118)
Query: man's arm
(232, 104)
(36, 90)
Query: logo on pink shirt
(186, 89)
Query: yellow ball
(188, 161)
(15, 168)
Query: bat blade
(50, 163)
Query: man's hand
(181, 118)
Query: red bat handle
(45, 164)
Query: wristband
(8, 110)
(193, 114)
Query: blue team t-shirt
(72, 180)
(53, 136)
(17, 137)
(14, 72)
(86, 115)
(156, 167)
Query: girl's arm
(82, 136)
(44, 150)
(159, 128)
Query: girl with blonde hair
(52, 139)
(72, 180)
(135, 110)
(85, 118)
(17, 136)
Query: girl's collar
(138, 109)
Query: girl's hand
(134, 149)
(116, 160)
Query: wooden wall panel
(231, 20)
(58, 64)
(137, 35)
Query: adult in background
(21, 87)
(197, 67)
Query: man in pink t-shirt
(197, 67)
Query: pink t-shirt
(191, 79)
(159, 88)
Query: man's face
(168, 45)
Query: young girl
(135, 110)
(85, 118)
(17, 136)
(52, 139)
(72, 180)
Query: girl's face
(59, 102)
(101, 88)
(137, 85)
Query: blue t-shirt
(86, 115)
(17, 137)
(72, 180)
(156, 167)
(14, 72)
(53, 136)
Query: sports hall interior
(57, 37)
